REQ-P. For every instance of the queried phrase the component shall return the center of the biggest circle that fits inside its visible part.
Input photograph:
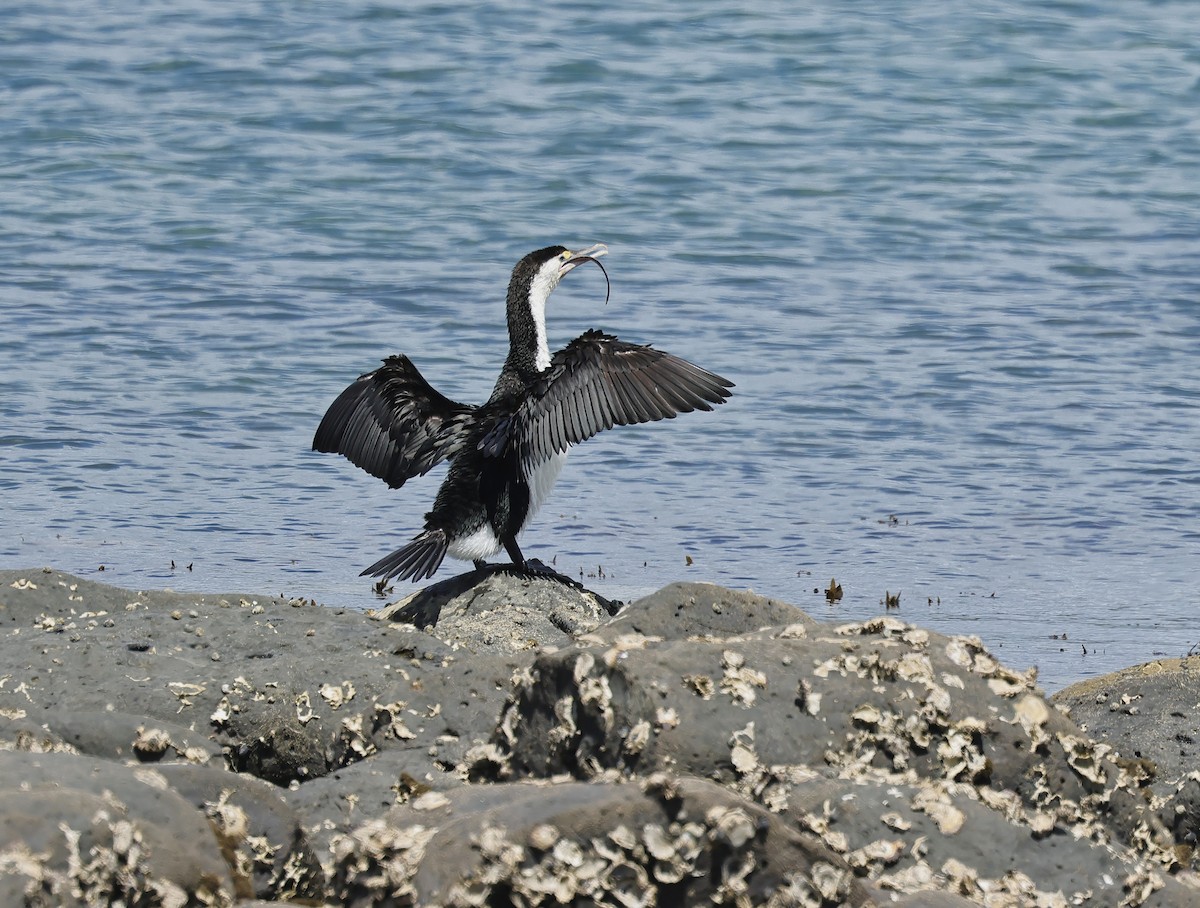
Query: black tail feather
(417, 560)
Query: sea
(949, 254)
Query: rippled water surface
(949, 253)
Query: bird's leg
(514, 552)
(480, 564)
(533, 567)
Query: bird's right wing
(596, 382)
(393, 424)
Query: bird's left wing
(393, 423)
(596, 382)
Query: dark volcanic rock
(878, 695)
(425, 731)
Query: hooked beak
(591, 254)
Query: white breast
(478, 546)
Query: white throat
(543, 284)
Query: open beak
(591, 254)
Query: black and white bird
(506, 454)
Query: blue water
(950, 253)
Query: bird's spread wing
(597, 382)
(393, 424)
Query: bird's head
(536, 275)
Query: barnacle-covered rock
(734, 749)
(553, 843)
(85, 831)
(891, 697)
(263, 839)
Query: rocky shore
(702, 746)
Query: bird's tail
(415, 561)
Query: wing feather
(626, 399)
(598, 381)
(393, 424)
